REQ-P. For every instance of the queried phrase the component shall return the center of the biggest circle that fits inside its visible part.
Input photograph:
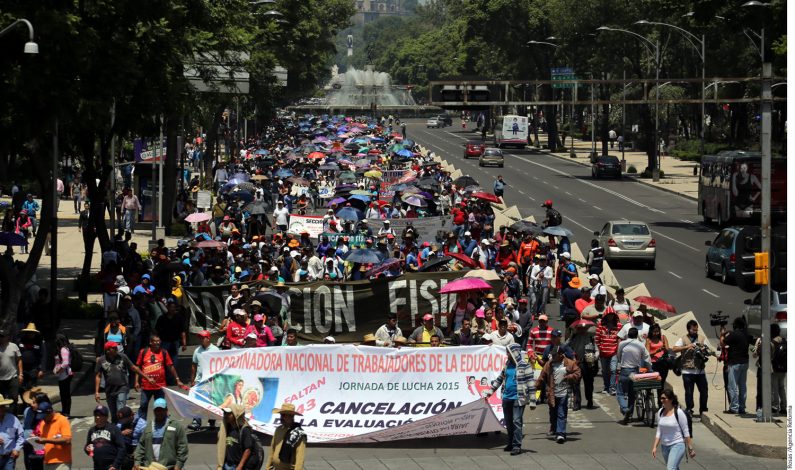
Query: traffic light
(778, 258)
(748, 243)
(761, 268)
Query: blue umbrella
(408, 143)
(404, 153)
(364, 256)
(244, 196)
(240, 177)
(360, 197)
(12, 239)
(400, 187)
(228, 186)
(349, 213)
(558, 231)
(261, 152)
(283, 173)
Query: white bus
(511, 129)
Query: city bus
(730, 187)
(510, 129)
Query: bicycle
(645, 404)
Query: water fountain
(364, 88)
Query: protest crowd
(318, 199)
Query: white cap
(566, 254)
(486, 337)
(593, 277)
(467, 233)
(274, 269)
(486, 242)
(251, 335)
(329, 339)
(637, 313)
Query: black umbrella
(435, 263)
(364, 256)
(524, 226)
(428, 183)
(464, 181)
(12, 239)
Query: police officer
(596, 258)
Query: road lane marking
(588, 183)
(555, 187)
(581, 199)
(676, 241)
(598, 208)
(674, 275)
(568, 193)
(710, 293)
(687, 221)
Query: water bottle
(759, 415)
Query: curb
(745, 448)
(635, 178)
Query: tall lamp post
(572, 154)
(655, 45)
(700, 46)
(766, 220)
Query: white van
(512, 130)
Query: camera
(718, 319)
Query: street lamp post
(765, 137)
(572, 154)
(30, 47)
(656, 48)
(700, 47)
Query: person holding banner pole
(516, 381)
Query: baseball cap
(522, 301)
(427, 317)
(159, 403)
(486, 337)
(566, 254)
(329, 340)
(467, 233)
(111, 344)
(101, 410)
(543, 318)
(637, 313)
(258, 317)
(557, 333)
(251, 335)
(480, 313)
(593, 277)
(257, 303)
(203, 334)
(44, 408)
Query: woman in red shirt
(237, 329)
(606, 340)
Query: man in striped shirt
(540, 337)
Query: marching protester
(114, 369)
(516, 382)
(288, 444)
(238, 447)
(557, 376)
(163, 441)
(104, 442)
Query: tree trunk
(170, 170)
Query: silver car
(434, 122)
(778, 313)
(629, 240)
(491, 156)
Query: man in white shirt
(638, 323)
(502, 336)
(596, 286)
(540, 279)
(631, 356)
(315, 267)
(281, 216)
(327, 219)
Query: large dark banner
(347, 310)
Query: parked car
(434, 122)
(491, 156)
(474, 149)
(778, 313)
(606, 166)
(721, 255)
(628, 240)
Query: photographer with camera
(736, 342)
(693, 357)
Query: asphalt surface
(586, 204)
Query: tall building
(371, 10)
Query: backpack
(779, 356)
(554, 218)
(75, 359)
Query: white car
(778, 313)
(434, 122)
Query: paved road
(586, 204)
(597, 442)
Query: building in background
(370, 10)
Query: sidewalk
(678, 179)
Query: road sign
(563, 73)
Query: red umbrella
(315, 155)
(486, 196)
(656, 303)
(582, 322)
(211, 244)
(469, 262)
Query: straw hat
(28, 395)
(31, 328)
(369, 337)
(400, 340)
(5, 401)
(288, 409)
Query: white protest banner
(308, 223)
(355, 393)
(429, 228)
(204, 199)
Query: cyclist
(631, 356)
